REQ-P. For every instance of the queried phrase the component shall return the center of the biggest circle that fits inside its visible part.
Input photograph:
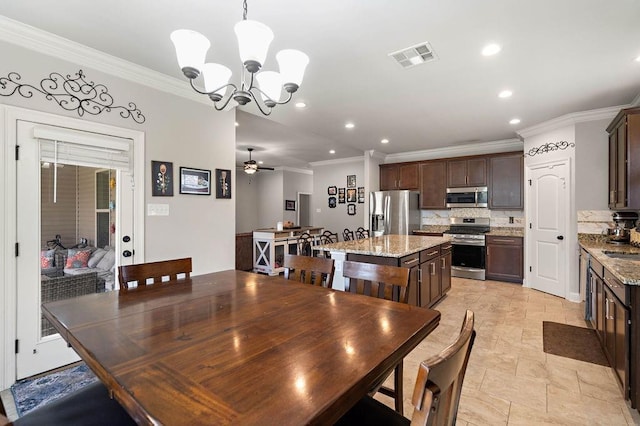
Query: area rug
(30, 394)
(573, 342)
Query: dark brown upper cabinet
(624, 160)
(433, 185)
(399, 176)
(506, 182)
(471, 172)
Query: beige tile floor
(510, 380)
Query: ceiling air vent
(414, 55)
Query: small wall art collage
(350, 195)
(192, 181)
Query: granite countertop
(438, 229)
(386, 245)
(625, 270)
(512, 231)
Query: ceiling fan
(251, 166)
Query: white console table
(270, 246)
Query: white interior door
(38, 353)
(548, 198)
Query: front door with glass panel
(69, 215)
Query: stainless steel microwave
(467, 197)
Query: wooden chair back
(155, 271)
(305, 244)
(381, 281)
(309, 270)
(436, 395)
(328, 237)
(362, 233)
(437, 391)
(347, 235)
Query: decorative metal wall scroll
(71, 93)
(549, 147)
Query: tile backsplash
(499, 218)
(594, 221)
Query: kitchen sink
(622, 255)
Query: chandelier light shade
(254, 39)
(250, 168)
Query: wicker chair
(66, 287)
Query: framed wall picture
(352, 195)
(351, 181)
(161, 179)
(332, 190)
(351, 209)
(195, 181)
(332, 202)
(341, 199)
(290, 205)
(223, 183)
(360, 194)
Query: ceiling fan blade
(265, 168)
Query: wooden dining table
(234, 347)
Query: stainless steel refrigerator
(394, 212)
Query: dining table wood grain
(235, 347)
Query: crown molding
(376, 155)
(46, 43)
(337, 161)
(492, 147)
(295, 170)
(571, 119)
(636, 101)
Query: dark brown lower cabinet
(430, 272)
(616, 328)
(504, 260)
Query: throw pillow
(46, 259)
(95, 257)
(77, 258)
(107, 261)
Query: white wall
(335, 174)
(295, 182)
(270, 198)
(184, 132)
(246, 201)
(592, 165)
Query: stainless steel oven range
(469, 248)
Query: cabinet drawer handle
(409, 262)
(447, 247)
(433, 253)
(503, 241)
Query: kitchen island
(429, 259)
(613, 293)
(270, 245)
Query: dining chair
(89, 405)
(436, 395)
(305, 244)
(347, 235)
(384, 282)
(327, 237)
(309, 270)
(362, 233)
(143, 272)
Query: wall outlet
(510, 219)
(318, 210)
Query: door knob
(127, 253)
(560, 237)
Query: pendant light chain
(244, 10)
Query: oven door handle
(463, 242)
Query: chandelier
(253, 42)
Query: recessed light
(638, 59)
(300, 105)
(260, 162)
(349, 125)
(491, 49)
(514, 121)
(332, 151)
(384, 141)
(237, 124)
(505, 94)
